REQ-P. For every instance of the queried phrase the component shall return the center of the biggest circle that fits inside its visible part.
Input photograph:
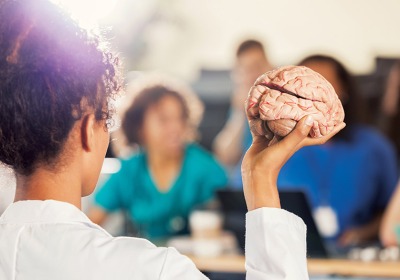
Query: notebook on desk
(234, 208)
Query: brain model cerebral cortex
(281, 97)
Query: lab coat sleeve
(177, 266)
(275, 245)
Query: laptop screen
(234, 208)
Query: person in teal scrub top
(168, 176)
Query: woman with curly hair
(169, 175)
(55, 89)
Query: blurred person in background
(168, 175)
(390, 228)
(390, 108)
(350, 179)
(235, 138)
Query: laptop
(234, 208)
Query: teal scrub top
(156, 214)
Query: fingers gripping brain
(281, 97)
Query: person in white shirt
(55, 90)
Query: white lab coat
(55, 240)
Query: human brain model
(285, 95)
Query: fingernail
(309, 120)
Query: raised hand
(268, 153)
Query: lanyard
(324, 215)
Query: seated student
(56, 84)
(161, 183)
(235, 138)
(390, 228)
(350, 179)
(390, 107)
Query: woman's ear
(88, 132)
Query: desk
(235, 264)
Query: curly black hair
(52, 72)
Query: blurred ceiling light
(89, 13)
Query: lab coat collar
(42, 211)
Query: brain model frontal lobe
(285, 95)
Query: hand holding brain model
(281, 97)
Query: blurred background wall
(182, 37)
(196, 40)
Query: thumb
(292, 142)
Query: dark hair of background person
(133, 118)
(249, 45)
(393, 120)
(52, 73)
(355, 106)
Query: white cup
(206, 231)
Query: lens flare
(89, 13)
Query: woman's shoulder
(198, 156)
(369, 134)
(196, 152)
(122, 249)
(373, 139)
(201, 163)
